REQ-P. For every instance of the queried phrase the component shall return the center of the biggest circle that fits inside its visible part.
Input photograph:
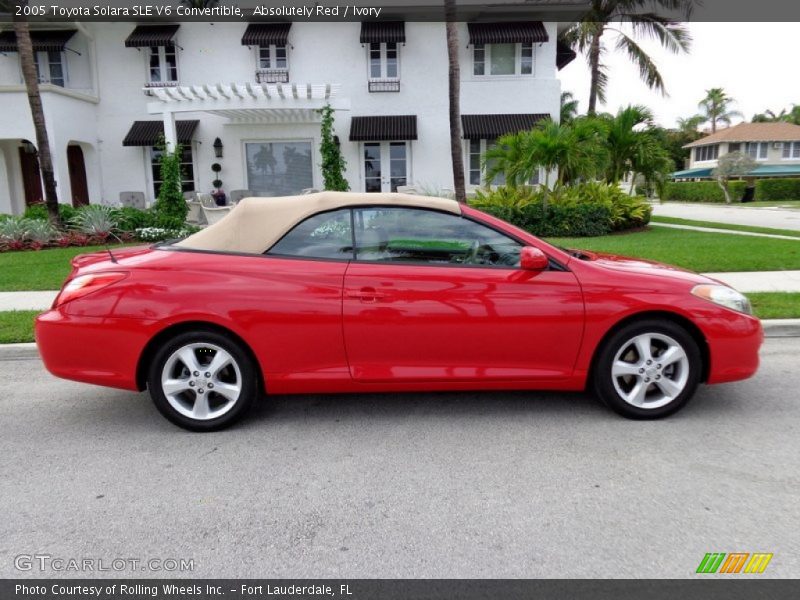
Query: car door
(434, 296)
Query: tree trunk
(454, 84)
(26, 59)
(724, 185)
(594, 67)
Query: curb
(773, 328)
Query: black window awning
(377, 32)
(152, 35)
(43, 41)
(388, 128)
(266, 34)
(564, 55)
(487, 127)
(147, 133)
(507, 32)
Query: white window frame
(162, 65)
(45, 55)
(793, 151)
(384, 62)
(759, 147)
(468, 171)
(316, 159)
(713, 154)
(151, 182)
(487, 61)
(362, 171)
(272, 49)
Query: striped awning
(266, 34)
(146, 133)
(151, 35)
(487, 127)
(507, 32)
(564, 55)
(377, 32)
(43, 41)
(389, 128)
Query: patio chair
(195, 215)
(309, 191)
(406, 189)
(237, 195)
(207, 200)
(215, 214)
(132, 199)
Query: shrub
(39, 211)
(701, 191)
(586, 209)
(95, 220)
(778, 189)
(130, 219)
(40, 233)
(170, 208)
(160, 234)
(14, 232)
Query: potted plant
(218, 193)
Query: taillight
(83, 285)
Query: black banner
(735, 588)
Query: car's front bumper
(733, 343)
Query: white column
(170, 131)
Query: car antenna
(111, 255)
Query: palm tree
(716, 108)
(454, 85)
(690, 125)
(31, 78)
(631, 140)
(569, 107)
(586, 37)
(769, 116)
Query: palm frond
(648, 71)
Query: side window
(418, 236)
(326, 235)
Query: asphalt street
(420, 485)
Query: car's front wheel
(648, 369)
(202, 381)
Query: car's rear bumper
(98, 350)
(733, 344)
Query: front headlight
(724, 296)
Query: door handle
(367, 295)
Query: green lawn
(17, 326)
(38, 269)
(696, 250)
(715, 225)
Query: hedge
(778, 189)
(702, 191)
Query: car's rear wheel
(648, 369)
(202, 381)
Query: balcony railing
(272, 75)
(384, 85)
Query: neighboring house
(246, 96)
(775, 147)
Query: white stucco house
(246, 96)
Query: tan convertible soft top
(255, 224)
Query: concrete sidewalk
(755, 281)
(731, 231)
(741, 214)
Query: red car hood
(645, 267)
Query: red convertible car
(336, 292)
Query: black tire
(610, 387)
(204, 346)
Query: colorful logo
(734, 562)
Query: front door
(31, 177)
(385, 166)
(437, 297)
(77, 176)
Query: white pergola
(244, 102)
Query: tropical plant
(31, 79)
(333, 163)
(690, 125)
(14, 232)
(569, 107)
(731, 165)
(586, 36)
(95, 220)
(454, 95)
(170, 207)
(716, 107)
(786, 116)
(40, 233)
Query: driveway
(420, 485)
(735, 215)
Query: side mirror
(533, 259)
